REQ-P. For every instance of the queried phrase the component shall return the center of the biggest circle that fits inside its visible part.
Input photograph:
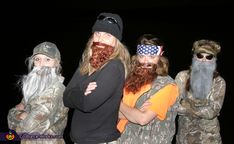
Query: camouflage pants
(112, 142)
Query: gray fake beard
(202, 77)
(37, 81)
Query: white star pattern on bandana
(149, 50)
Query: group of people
(118, 98)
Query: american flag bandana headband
(149, 50)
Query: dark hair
(149, 39)
(163, 66)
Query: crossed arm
(156, 106)
(140, 116)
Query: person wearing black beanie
(110, 23)
(96, 88)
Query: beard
(141, 75)
(202, 77)
(100, 55)
(37, 81)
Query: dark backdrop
(68, 24)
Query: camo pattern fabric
(157, 131)
(198, 119)
(46, 119)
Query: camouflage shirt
(157, 131)
(198, 122)
(47, 116)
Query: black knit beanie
(110, 23)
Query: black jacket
(96, 115)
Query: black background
(68, 24)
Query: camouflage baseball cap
(47, 48)
(206, 46)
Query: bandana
(149, 50)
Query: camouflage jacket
(198, 122)
(157, 131)
(47, 116)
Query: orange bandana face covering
(100, 55)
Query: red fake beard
(100, 55)
(141, 75)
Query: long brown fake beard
(100, 55)
(140, 76)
